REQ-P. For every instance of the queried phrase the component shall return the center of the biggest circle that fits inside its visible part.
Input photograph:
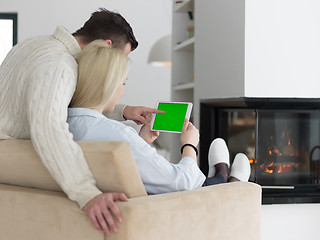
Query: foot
(218, 153)
(240, 169)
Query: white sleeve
(157, 173)
(48, 98)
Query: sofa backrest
(111, 163)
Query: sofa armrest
(226, 211)
(111, 163)
(32, 214)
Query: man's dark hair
(104, 24)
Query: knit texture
(37, 81)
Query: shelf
(187, 45)
(183, 86)
(185, 6)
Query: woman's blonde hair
(102, 69)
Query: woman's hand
(102, 209)
(139, 114)
(146, 133)
(189, 134)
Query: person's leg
(218, 159)
(240, 171)
(221, 175)
(217, 179)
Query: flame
(252, 161)
(278, 152)
(269, 171)
(278, 168)
(285, 168)
(274, 151)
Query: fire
(278, 167)
(269, 171)
(281, 154)
(274, 151)
(282, 150)
(286, 168)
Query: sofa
(33, 207)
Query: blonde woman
(102, 75)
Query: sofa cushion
(111, 163)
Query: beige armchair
(32, 206)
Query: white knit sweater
(37, 81)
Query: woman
(102, 74)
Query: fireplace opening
(281, 138)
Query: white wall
(219, 49)
(282, 48)
(150, 20)
(257, 48)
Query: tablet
(173, 119)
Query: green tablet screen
(173, 119)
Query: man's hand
(138, 114)
(146, 133)
(101, 210)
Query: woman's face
(117, 96)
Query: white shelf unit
(184, 6)
(184, 86)
(182, 89)
(187, 45)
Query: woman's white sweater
(37, 81)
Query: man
(37, 82)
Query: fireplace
(281, 138)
